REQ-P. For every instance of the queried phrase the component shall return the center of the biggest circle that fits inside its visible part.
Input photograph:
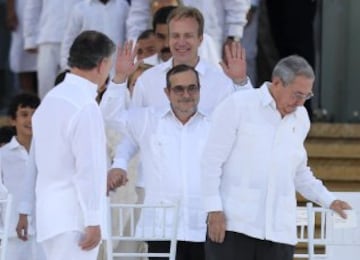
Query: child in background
(13, 166)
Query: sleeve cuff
(236, 30)
(24, 208)
(116, 90)
(93, 218)
(247, 85)
(213, 203)
(120, 163)
(30, 43)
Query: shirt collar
(88, 86)
(166, 110)
(200, 66)
(14, 144)
(268, 100)
(266, 97)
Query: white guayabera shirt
(254, 162)
(170, 155)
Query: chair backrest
(129, 228)
(339, 242)
(302, 233)
(344, 243)
(5, 208)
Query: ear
(276, 82)
(100, 67)
(167, 92)
(12, 121)
(201, 38)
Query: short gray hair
(292, 66)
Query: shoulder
(246, 96)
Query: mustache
(186, 100)
(165, 50)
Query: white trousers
(24, 250)
(48, 66)
(66, 247)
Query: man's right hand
(91, 239)
(116, 177)
(216, 226)
(22, 227)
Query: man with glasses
(170, 141)
(254, 161)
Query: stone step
(326, 130)
(333, 148)
(336, 169)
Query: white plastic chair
(302, 231)
(5, 207)
(338, 243)
(157, 231)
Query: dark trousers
(237, 246)
(184, 250)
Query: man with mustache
(161, 30)
(170, 141)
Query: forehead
(302, 84)
(161, 28)
(183, 78)
(146, 41)
(185, 24)
(22, 108)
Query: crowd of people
(171, 82)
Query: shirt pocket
(243, 205)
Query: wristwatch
(234, 38)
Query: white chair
(336, 242)
(145, 229)
(5, 208)
(302, 232)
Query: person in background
(21, 62)
(14, 157)
(161, 30)
(146, 44)
(105, 16)
(44, 27)
(225, 20)
(141, 15)
(134, 76)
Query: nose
(186, 93)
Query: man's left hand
(234, 61)
(339, 206)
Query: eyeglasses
(190, 89)
(301, 96)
